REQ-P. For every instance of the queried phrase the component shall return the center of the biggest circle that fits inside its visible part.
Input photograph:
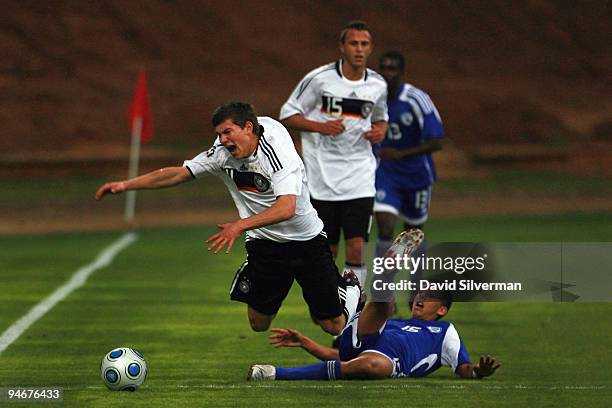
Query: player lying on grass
(372, 346)
(285, 241)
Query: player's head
(236, 126)
(356, 44)
(431, 304)
(391, 66)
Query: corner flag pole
(141, 128)
(130, 197)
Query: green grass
(167, 296)
(532, 182)
(75, 191)
(69, 191)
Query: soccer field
(168, 297)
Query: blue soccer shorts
(351, 345)
(412, 205)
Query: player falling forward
(256, 159)
(372, 346)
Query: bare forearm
(382, 125)
(319, 351)
(428, 147)
(299, 122)
(486, 366)
(282, 210)
(165, 177)
(466, 371)
(425, 148)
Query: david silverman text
(464, 284)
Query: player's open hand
(227, 236)
(114, 187)
(331, 127)
(486, 366)
(377, 133)
(285, 338)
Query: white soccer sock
(360, 271)
(352, 300)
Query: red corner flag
(140, 108)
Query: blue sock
(325, 370)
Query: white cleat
(405, 243)
(262, 372)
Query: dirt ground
(520, 85)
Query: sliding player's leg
(367, 366)
(376, 313)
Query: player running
(256, 159)
(406, 171)
(341, 110)
(372, 346)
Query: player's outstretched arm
(282, 209)
(485, 367)
(299, 122)
(293, 338)
(166, 177)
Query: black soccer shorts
(354, 217)
(264, 280)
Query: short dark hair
(353, 25)
(239, 112)
(393, 55)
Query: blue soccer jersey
(413, 119)
(415, 347)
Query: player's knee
(373, 368)
(259, 321)
(259, 325)
(332, 326)
(386, 226)
(354, 249)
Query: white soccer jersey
(339, 167)
(273, 170)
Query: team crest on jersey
(366, 109)
(248, 180)
(434, 329)
(348, 107)
(261, 183)
(407, 118)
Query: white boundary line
(76, 281)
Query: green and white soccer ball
(123, 369)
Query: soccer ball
(123, 369)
